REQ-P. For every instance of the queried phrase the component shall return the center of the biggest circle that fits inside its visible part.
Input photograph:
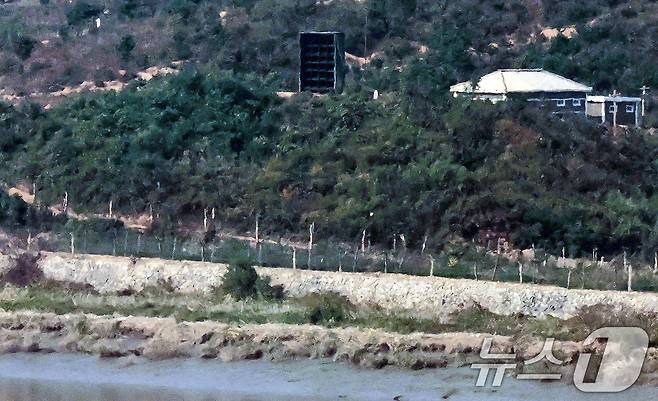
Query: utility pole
(644, 90)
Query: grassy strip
(328, 310)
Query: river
(73, 377)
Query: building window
(561, 103)
(630, 108)
(575, 102)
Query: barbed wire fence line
(473, 262)
(477, 264)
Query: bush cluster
(242, 282)
(327, 308)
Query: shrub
(14, 212)
(327, 308)
(24, 272)
(24, 46)
(242, 282)
(126, 46)
(81, 12)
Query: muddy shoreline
(160, 339)
(164, 338)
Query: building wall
(557, 102)
(594, 110)
(624, 117)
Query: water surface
(73, 377)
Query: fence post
(294, 258)
(173, 249)
(493, 275)
(520, 273)
(569, 279)
(431, 266)
(404, 251)
(125, 244)
(260, 254)
(72, 244)
(629, 271)
(310, 244)
(475, 271)
(205, 219)
(655, 263)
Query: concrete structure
(615, 110)
(321, 61)
(554, 92)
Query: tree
(82, 11)
(126, 46)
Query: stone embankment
(432, 297)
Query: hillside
(48, 44)
(415, 162)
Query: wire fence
(469, 262)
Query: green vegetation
(52, 298)
(14, 38)
(477, 171)
(242, 282)
(328, 309)
(464, 39)
(82, 11)
(126, 46)
(16, 214)
(416, 162)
